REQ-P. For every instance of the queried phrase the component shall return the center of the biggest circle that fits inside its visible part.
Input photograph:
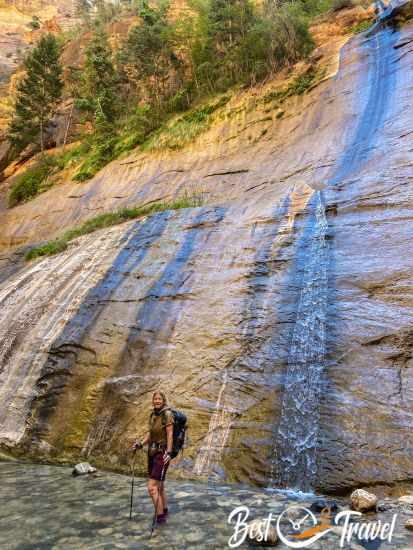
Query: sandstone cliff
(295, 274)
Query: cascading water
(295, 452)
(294, 457)
(217, 435)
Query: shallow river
(44, 507)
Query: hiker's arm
(169, 441)
(144, 441)
(169, 437)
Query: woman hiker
(159, 439)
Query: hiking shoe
(161, 519)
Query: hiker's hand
(137, 445)
(166, 457)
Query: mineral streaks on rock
(366, 413)
(218, 431)
(249, 385)
(161, 313)
(295, 450)
(36, 305)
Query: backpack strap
(163, 414)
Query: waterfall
(296, 441)
(216, 438)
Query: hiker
(159, 439)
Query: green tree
(37, 94)
(238, 42)
(278, 38)
(98, 90)
(35, 23)
(83, 11)
(147, 56)
(98, 99)
(217, 52)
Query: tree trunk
(41, 135)
(68, 126)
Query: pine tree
(37, 94)
(99, 86)
(147, 54)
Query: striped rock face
(278, 316)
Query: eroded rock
(83, 468)
(409, 524)
(204, 301)
(406, 499)
(362, 501)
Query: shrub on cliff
(97, 99)
(108, 219)
(33, 181)
(147, 58)
(97, 93)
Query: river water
(45, 507)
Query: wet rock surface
(83, 468)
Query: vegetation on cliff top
(30, 183)
(132, 95)
(112, 218)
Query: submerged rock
(83, 468)
(362, 501)
(406, 499)
(384, 506)
(409, 524)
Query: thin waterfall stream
(295, 452)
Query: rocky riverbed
(44, 507)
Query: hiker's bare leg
(155, 496)
(163, 496)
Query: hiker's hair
(161, 393)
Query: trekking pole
(133, 479)
(155, 515)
